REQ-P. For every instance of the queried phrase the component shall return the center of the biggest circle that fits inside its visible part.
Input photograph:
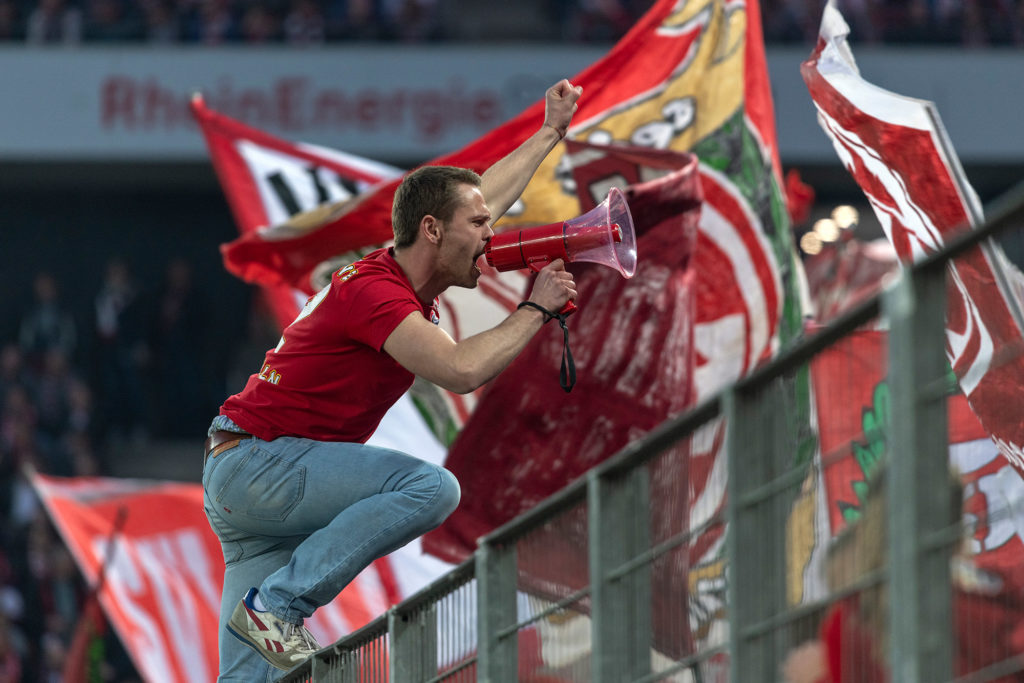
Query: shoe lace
(303, 635)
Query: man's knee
(449, 492)
(441, 491)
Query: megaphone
(603, 235)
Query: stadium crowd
(292, 22)
(76, 386)
(313, 22)
(958, 22)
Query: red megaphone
(602, 235)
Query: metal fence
(634, 573)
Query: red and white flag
(633, 346)
(271, 186)
(898, 152)
(161, 590)
(852, 399)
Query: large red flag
(633, 346)
(852, 399)
(898, 152)
(741, 282)
(632, 343)
(162, 583)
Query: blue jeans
(299, 519)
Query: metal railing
(636, 573)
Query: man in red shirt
(299, 501)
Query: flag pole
(91, 623)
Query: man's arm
(503, 182)
(427, 351)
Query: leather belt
(222, 440)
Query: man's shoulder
(374, 278)
(370, 265)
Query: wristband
(548, 315)
(567, 372)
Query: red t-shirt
(328, 378)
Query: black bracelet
(548, 315)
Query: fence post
(619, 531)
(759, 449)
(920, 508)
(413, 644)
(497, 653)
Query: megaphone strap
(567, 373)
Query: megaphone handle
(569, 306)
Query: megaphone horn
(603, 235)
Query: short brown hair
(427, 191)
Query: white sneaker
(281, 643)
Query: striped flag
(897, 150)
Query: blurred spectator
(304, 24)
(161, 22)
(600, 20)
(84, 462)
(412, 21)
(603, 20)
(17, 423)
(120, 354)
(183, 401)
(990, 22)
(354, 20)
(54, 21)
(112, 20)
(51, 389)
(10, 22)
(260, 25)
(10, 657)
(211, 22)
(81, 420)
(858, 14)
(785, 21)
(47, 326)
(906, 21)
(12, 369)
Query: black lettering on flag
(346, 187)
(284, 193)
(321, 191)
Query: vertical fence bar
(619, 524)
(755, 439)
(741, 535)
(413, 652)
(497, 658)
(918, 492)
